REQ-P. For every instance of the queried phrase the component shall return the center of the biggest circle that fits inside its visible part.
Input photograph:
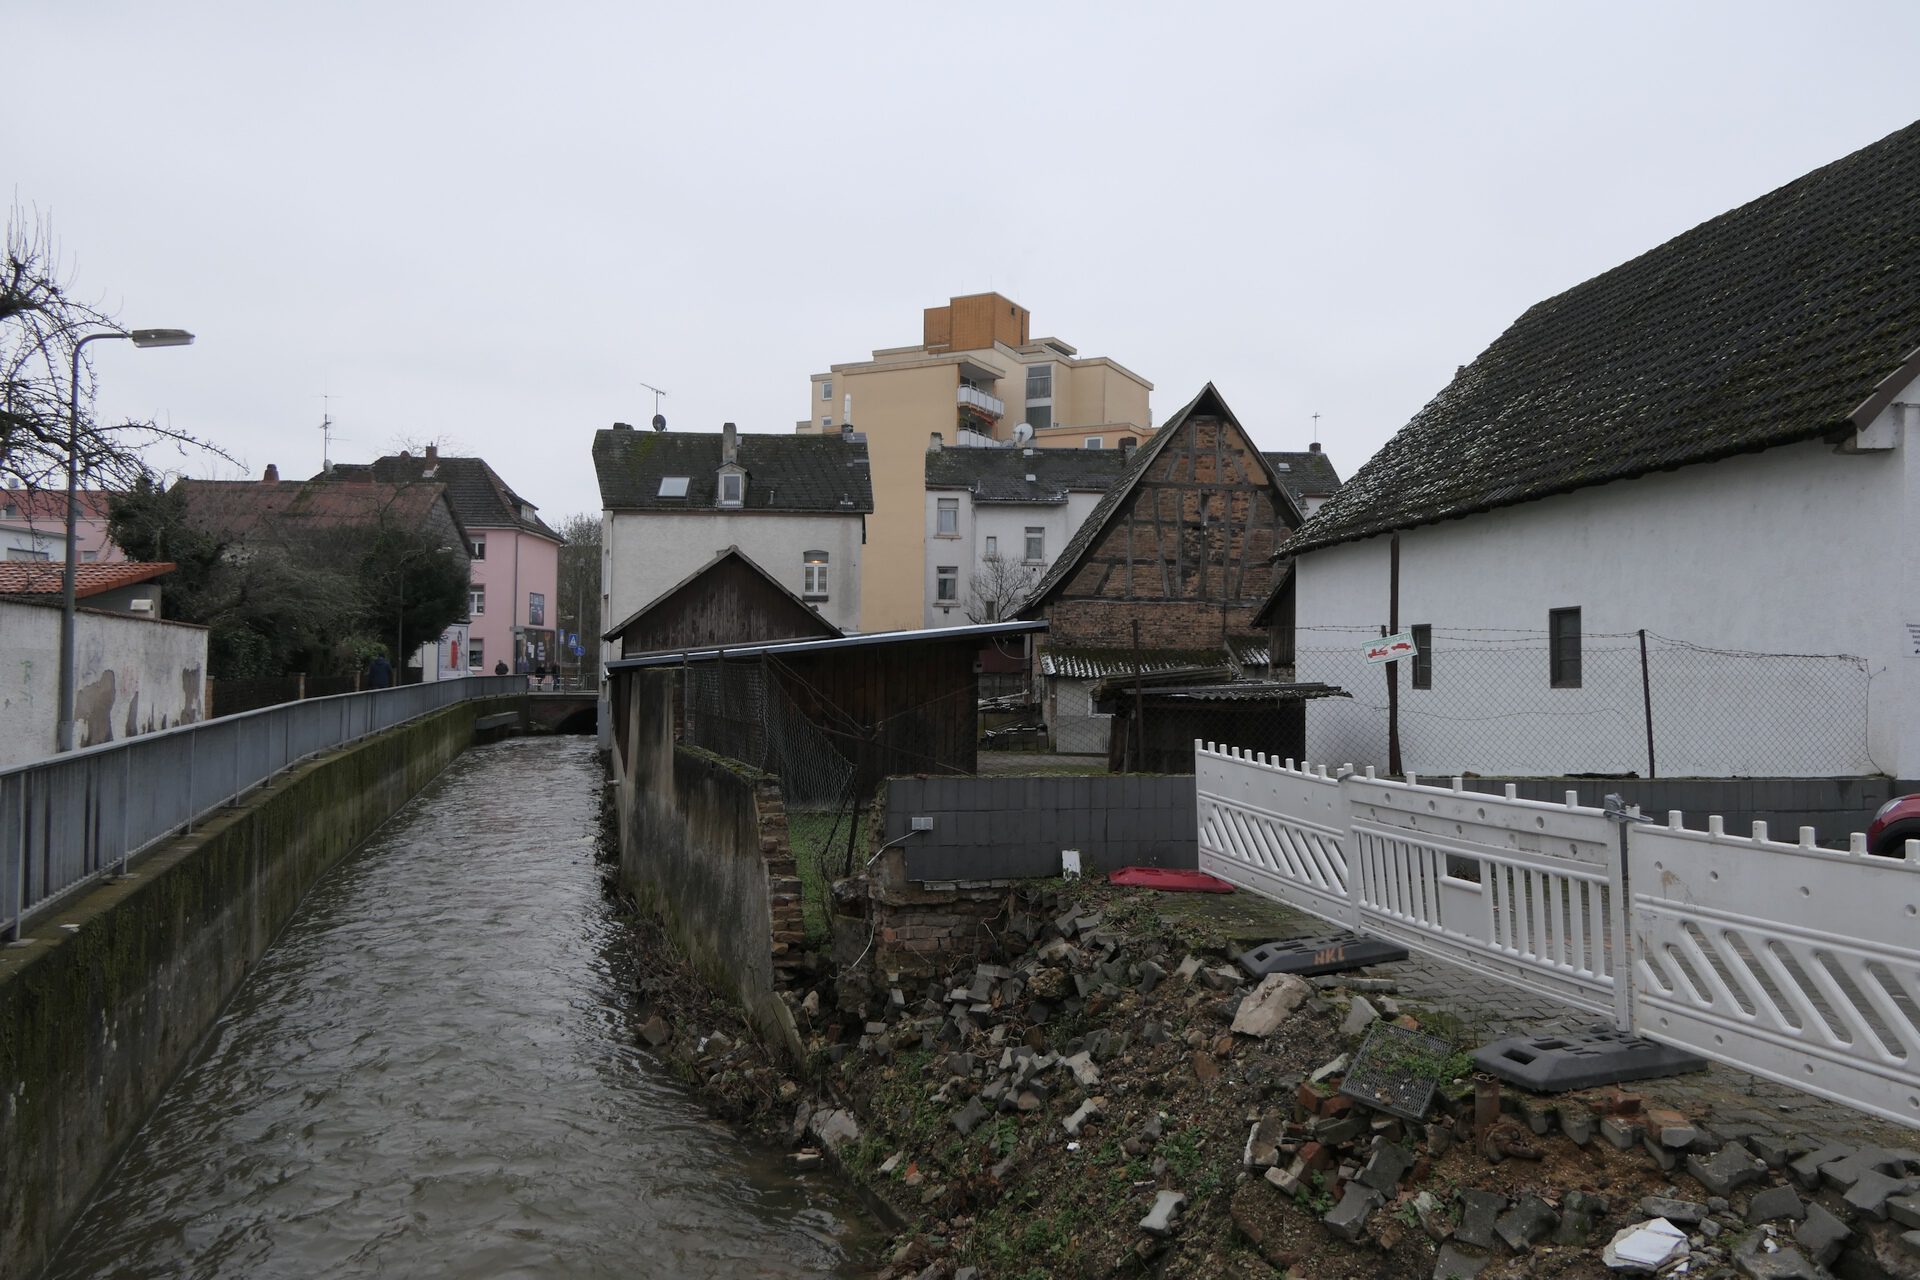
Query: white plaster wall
(648, 552)
(131, 676)
(1006, 521)
(1798, 550)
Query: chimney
(935, 442)
(729, 444)
(1314, 447)
(271, 475)
(433, 454)
(623, 426)
(846, 431)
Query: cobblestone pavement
(1489, 1010)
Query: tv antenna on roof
(326, 433)
(1316, 428)
(659, 419)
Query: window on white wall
(1563, 648)
(1036, 545)
(946, 583)
(814, 575)
(948, 525)
(993, 545)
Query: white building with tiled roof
(1665, 524)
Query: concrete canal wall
(704, 846)
(103, 1003)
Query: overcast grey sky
(493, 222)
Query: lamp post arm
(68, 594)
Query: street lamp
(139, 338)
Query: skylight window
(673, 486)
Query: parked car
(1897, 822)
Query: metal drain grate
(1395, 1069)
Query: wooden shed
(893, 702)
(727, 601)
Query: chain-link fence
(738, 710)
(1503, 703)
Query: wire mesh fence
(739, 710)
(1497, 703)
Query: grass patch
(819, 844)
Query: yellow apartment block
(976, 378)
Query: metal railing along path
(70, 819)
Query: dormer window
(733, 486)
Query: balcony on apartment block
(980, 402)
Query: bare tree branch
(40, 321)
(998, 587)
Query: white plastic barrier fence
(1796, 963)
(1275, 829)
(1516, 890)
(1793, 962)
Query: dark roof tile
(819, 473)
(1000, 475)
(1773, 323)
(1306, 475)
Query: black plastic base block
(1306, 957)
(1397, 1070)
(1582, 1060)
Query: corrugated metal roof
(1099, 664)
(925, 635)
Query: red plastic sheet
(1169, 879)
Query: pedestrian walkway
(1487, 1010)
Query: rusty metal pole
(1646, 701)
(1393, 668)
(1136, 740)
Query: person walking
(379, 671)
(500, 668)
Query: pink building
(33, 526)
(513, 602)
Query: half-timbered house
(1167, 573)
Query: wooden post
(1646, 701)
(1393, 668)
(1137, 737)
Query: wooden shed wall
(728, 604)
(892, 709)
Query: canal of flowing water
(434, 1073)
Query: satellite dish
(1022, 432)
(659, 422)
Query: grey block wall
(1833, 807)
(1007, 828)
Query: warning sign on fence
(1391, 648)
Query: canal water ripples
(434, 1072)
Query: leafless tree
(40, 321)
(999, 587)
